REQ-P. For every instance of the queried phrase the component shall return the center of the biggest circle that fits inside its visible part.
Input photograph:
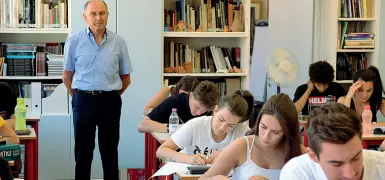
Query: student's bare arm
(233, 155)
(161, 95)
(8, 135)
(148, 125)
(167, 151)
(345, 101)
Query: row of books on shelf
(348, 64)
(352, 35)
(206, 16)
(31, 59)
(209, 59)
(33, 14)
(356, 8)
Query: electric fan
(282, 67)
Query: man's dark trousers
(101, 110)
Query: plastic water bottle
(173, 122)
(367, 120)
(20, 113)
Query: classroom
(192, 89)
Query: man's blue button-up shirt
(96, 67)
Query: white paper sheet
(171, 168)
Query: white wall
(381, 52)
(291, 27)
(145, 47)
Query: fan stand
(285, 66)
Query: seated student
(335, 149)
(5, 170)
(185, 85)
(8, 104)
(203, 99)
(203, 138)
(318, 88)
(367, 89)
(273, 141)
(7, 133)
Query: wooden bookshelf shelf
(204, 74)
(205, 34)
(356, 19)
(35, 30)
(30, 77)
(355, 50)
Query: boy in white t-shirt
(335, 149)
(202, 138)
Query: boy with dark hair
(319, 89)
(335, 149)
(197, 103)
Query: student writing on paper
(185, 85)
(273, 141)
(367, 89)
(318, 89)
(335, 149)
(202, 138)
(197, 103)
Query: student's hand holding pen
(198, 159)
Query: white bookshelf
(198, 40)
(38, 33)
(34, 31)
(331, 18)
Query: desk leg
(364, 144)
(154, 160)
(35, 147)
(29, 159)
(147, 155)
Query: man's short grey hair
(86, 5)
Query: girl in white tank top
(249, 168)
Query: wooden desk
(372, 139)
(366, 139)
(160, 137)
(187, 176)
(31, 154)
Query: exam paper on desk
(171, 168)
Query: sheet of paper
(171, 168)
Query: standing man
(96, 72)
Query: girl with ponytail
(366, 90)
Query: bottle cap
(20, 100)
(367, 107)
(173, 109)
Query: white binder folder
(36, 100)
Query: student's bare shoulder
(341, 99)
